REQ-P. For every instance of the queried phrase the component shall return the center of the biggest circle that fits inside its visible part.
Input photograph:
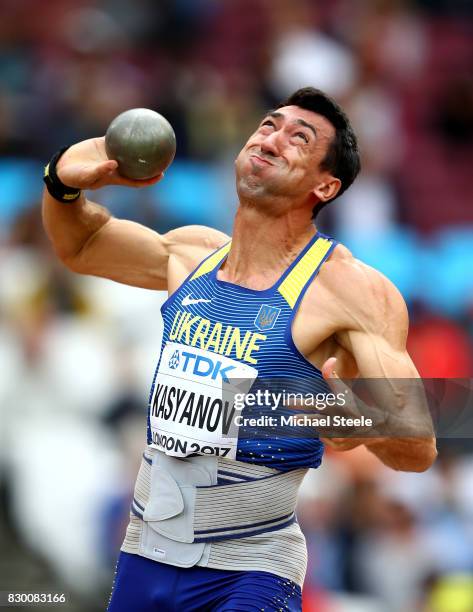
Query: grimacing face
(282, 158)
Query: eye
(302, 135)
(268, 122)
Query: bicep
(379, 356)
(377, 341)
(126, 252)
(130, 253)
(375, 330)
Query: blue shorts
(143, 585)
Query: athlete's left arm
(375, 333)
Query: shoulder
(193, 243)
(342, 273)
(360, 294)
(195, 236)
(187, 247)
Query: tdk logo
(174, 361)
(203, 366)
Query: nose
(271, 143)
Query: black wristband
(56, 188)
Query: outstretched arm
(375, 333)
(89, 240)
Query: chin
(254, 185)
(250, 187)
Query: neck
(264, 246)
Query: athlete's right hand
(85, 165)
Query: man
(212, 523)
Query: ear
(328, 189)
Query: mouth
(261, 161)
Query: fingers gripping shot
(212, 523)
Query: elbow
(71, 263)
(423, 459)
(74, 262)
(62, 251)
(68, 260)
(406, 455)
(427, 459)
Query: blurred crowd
(77, 354)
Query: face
(282, 158)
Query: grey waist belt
(187, 504)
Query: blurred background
(77, 354)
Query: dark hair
(343, 157)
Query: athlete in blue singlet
(273, 309)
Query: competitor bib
(192, 407)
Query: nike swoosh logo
(187, 301)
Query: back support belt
(188, 505)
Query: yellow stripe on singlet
(297, 278)
(211, 262)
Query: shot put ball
(142, 142)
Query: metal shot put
(212, 522)
(142, 142)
